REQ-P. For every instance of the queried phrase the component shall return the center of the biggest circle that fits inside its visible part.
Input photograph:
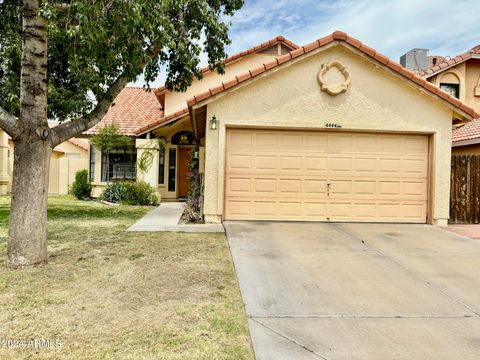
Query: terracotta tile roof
(469, 131)
(80, 143)
(163, 121)
(133, 109)
(336, 36)
(277, 40)
(434, 70)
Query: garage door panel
(283, 175)
(316, 141)
(239, 185)
(315, 186)
(263, 185)
(287, 162)
(239, 162)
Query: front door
(184, 159)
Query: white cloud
(446, 27)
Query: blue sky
(446, 27)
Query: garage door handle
(328, 189)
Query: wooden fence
(465, 189)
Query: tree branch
(69, 129)
(72, 128)
(9, 124)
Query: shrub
(116, 192)
(139, 193)
(81, 187)
(143, 194)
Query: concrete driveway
(358, 291)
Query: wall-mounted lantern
(213, 123)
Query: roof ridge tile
(341, 36)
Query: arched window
(183, 138)
(450, 83)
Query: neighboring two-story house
(460, 77)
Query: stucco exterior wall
(472, 80)
(466, 150)
(468, 74)
(377, 100)
(176, 101)
(65, 161)
(4, 164)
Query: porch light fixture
(213, 123)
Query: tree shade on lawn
(111, 294)
(69, 60)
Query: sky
(392, 27)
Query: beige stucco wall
(377, 100)
(53, 177)
(472, 80)
(150, 176)
(466, 150)
(62, 168)
(4, 163)
(175, 101)
(468, 74)
(68, 148)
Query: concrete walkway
(358, 291)
(166, 217)
(469, 230)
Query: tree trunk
(27, 238)
(27, 243)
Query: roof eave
(434, 91)
(473, 141)
(439, 71)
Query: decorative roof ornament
(335, 88)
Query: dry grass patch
(109, 294)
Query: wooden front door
(183, 170)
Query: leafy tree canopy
(91, 43)
(109, 138)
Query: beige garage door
(325, 176)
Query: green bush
(81, 187)
(143, 194)
(116, 192)
(139, 193)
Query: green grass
(109, 294)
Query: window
(161, 166)
(172, 159)
(183, 138)
(92, 163)
(452, 89)
(119, 164)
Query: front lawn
(109, 294)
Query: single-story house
(329, 131)
(66, 159)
